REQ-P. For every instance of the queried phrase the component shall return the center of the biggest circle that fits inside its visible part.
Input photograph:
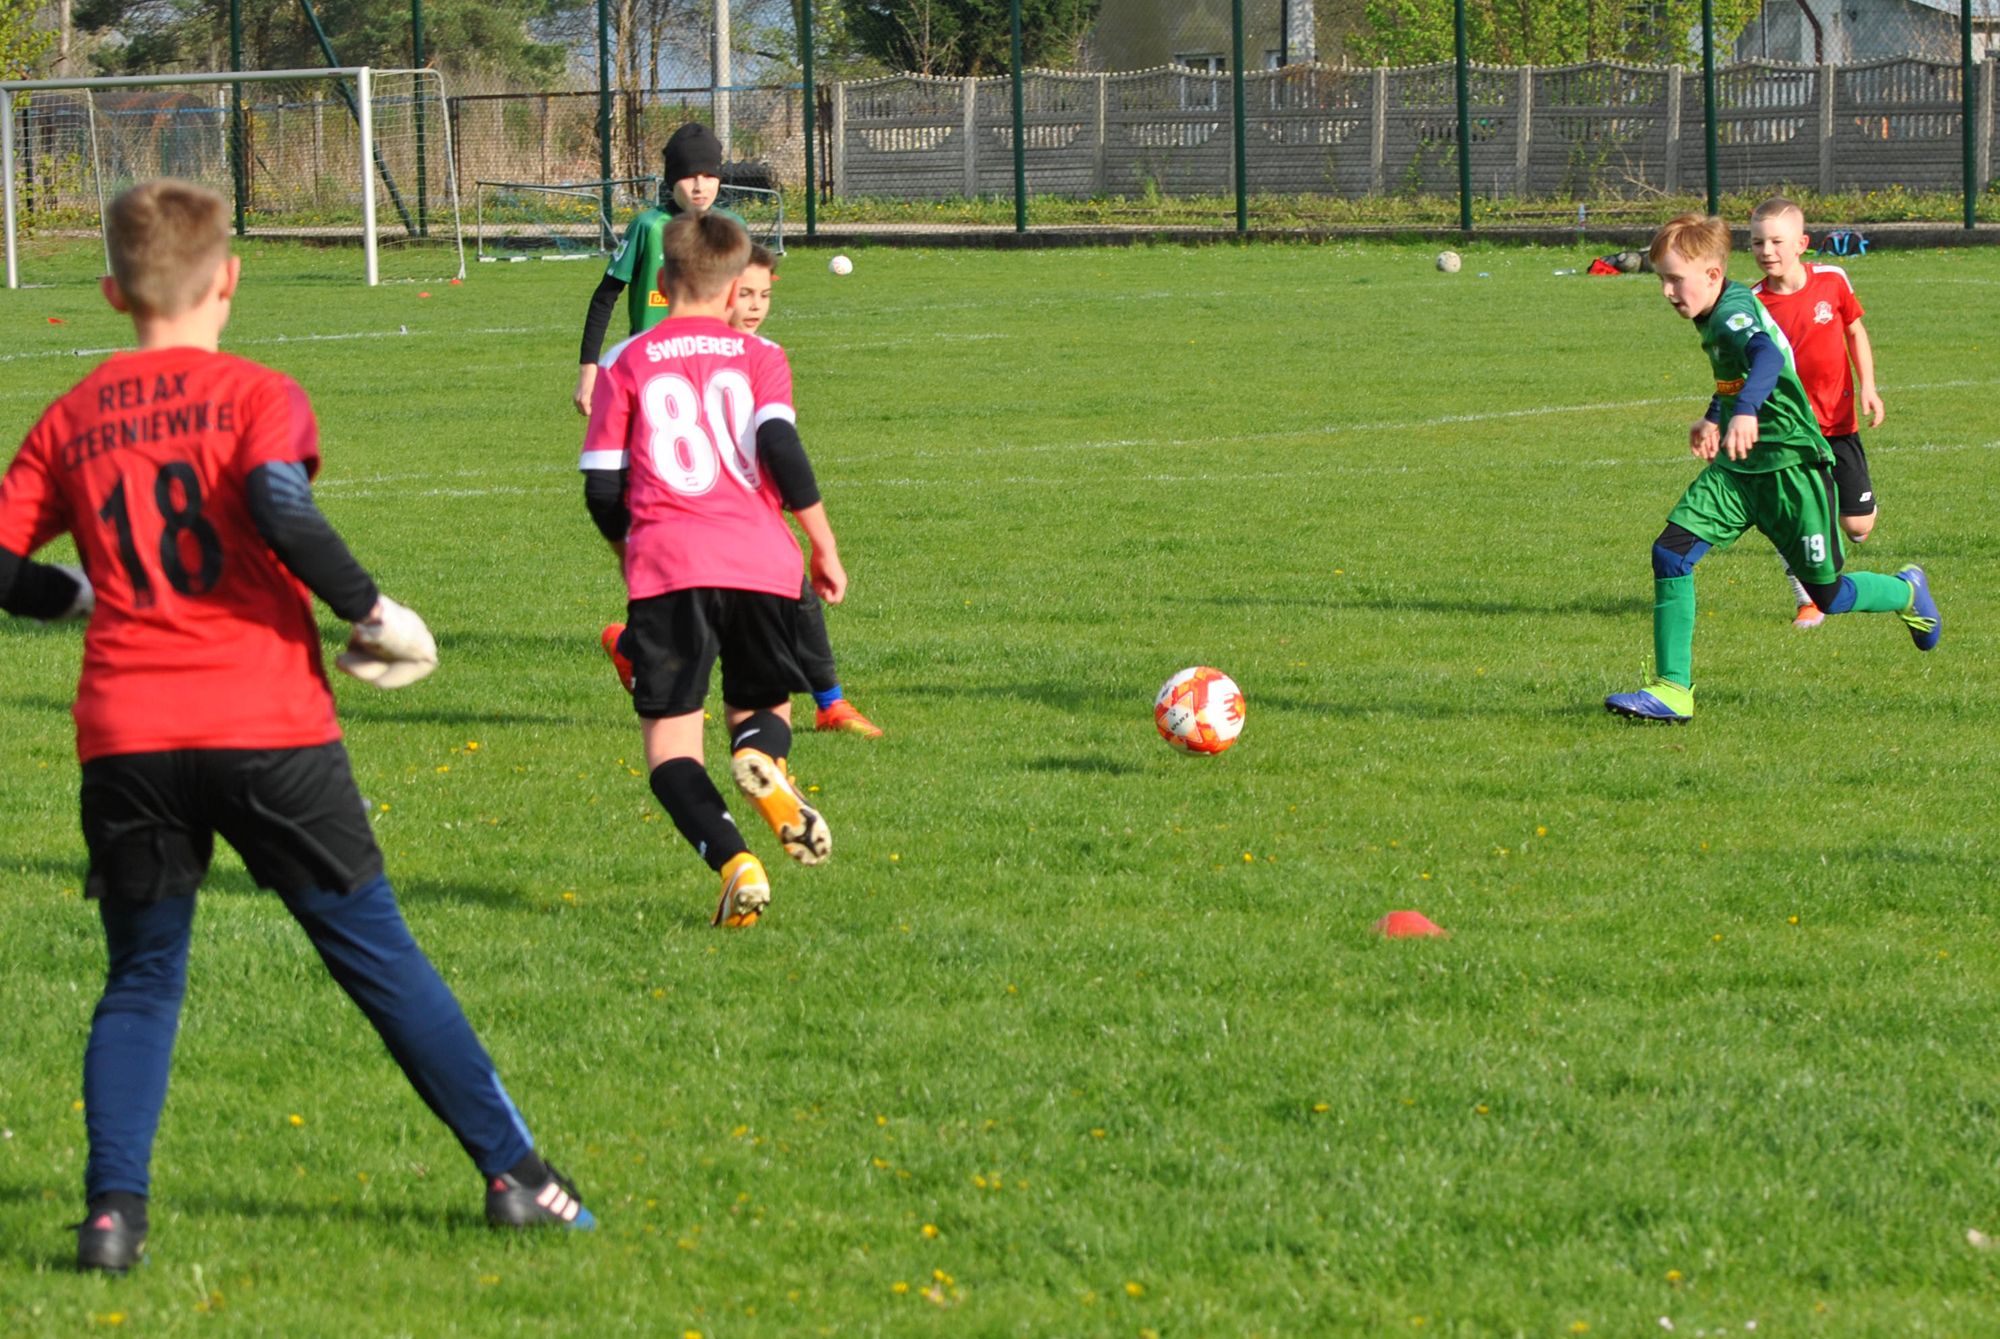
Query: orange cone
(1408, 925)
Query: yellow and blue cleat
(1659, 700)
(1926, 625)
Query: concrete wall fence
(1582, 131)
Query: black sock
(124, 1202)
(765, 731)
(692, 801)
(530, 1171)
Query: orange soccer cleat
(608, 639)
(845, 718)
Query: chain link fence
(1872, 109)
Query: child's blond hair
(701, 255)
(166, 239)
(1692, 237)
(1776, 206)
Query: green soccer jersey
(639, 254)
(1787, 428)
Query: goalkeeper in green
(691, 166)
(1768, 467)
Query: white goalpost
(307, 154)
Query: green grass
(1712, 1039)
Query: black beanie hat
(692, 151)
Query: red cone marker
(1407, 925)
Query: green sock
(1673, 629)
(1877, 594)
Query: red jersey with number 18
(200, 638)
(679, 405)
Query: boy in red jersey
(690, 462)
(1816, 308)
(183, 475)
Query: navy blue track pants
(362, 939)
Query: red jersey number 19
(687, 455)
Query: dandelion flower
(930, 1231)
(1133, 1288)
(296, 1119)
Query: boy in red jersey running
(183, 475)
(690, 462)
(1816, 308)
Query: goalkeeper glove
(85, 599)
(390, 650)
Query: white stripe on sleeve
(770, 411)
(602, 460)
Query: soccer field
(1077, 1035)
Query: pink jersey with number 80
(680, 405)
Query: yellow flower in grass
(296, 1120)
(1133, 1288)
(1580, 1327)
(899, 1287)
(1674, 1276)
(110, 1318)
(930, 1231)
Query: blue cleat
(1659, 700)
(1925, 623)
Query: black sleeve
(604, 495)
(598, 320)
(29, 589)
(784, 455)
(281, 507)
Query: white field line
(229, 346)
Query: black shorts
(294, 815)
(1850, 475)
(676, 638)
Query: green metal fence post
(237, 176)
(1236, 94)
(1969, 89)
(1708, 101)
(604, 122)
(1464, 120)
(417, 106)
(811, 98)
(1020, 122)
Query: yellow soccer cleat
(799, 826)
(746, 892)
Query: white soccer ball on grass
(841, 265)
(1449, 261)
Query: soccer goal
(564, 220)
(347, 155)
(526, 220)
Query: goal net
(525, 220)
(357, 157)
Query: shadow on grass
(1082, 763)
(369, 713)
(237, 882)
(1593, 607)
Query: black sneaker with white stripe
(513, 1201)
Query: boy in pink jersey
(1816, 308)
(690, 462)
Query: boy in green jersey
(1769, 468)
(693, 173)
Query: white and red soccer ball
(1199, 710)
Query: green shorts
(1793, 507)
